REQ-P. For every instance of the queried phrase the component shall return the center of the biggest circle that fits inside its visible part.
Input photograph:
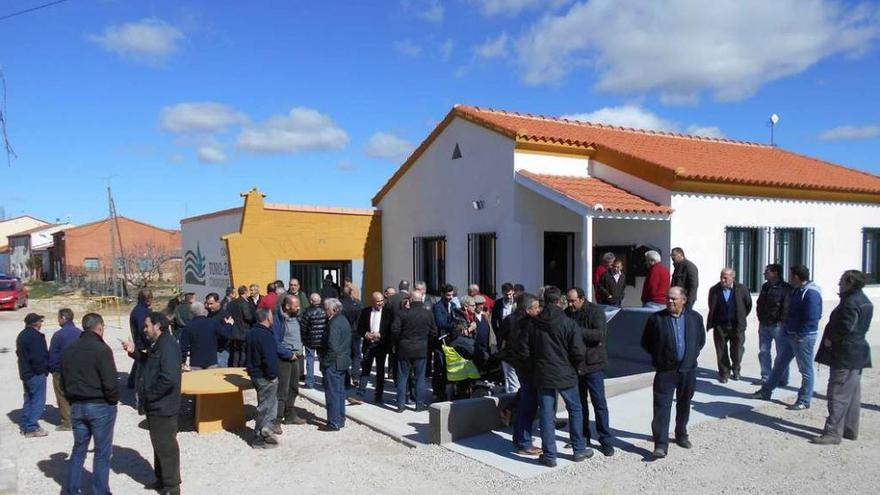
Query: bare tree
(145, 263)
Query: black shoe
(547, 462)
(377, 400)
(276, 428)
(825, 440)
(850, 435)
(760, 394)
(683, 443)
(722, 379)
(659, 453)
(294, 420)
(156, 485)
(607, 450)
(583, 455)
(327, 428)
(735, 375)
(263, 445)
(798, 406)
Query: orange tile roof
(685, 157)
(597, 194)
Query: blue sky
(182, 105)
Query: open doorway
(559, 259)
(311, 274)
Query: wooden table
(219, 398)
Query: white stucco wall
(551, 163)
(699, 221)
(204, 236)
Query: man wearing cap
(33, 367)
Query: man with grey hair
(656, 283)
(607, 260)
(474, 291)
(412, 329)
(335, 361)
(430, 300)
(262, 367)
(199, 340)
(729, 305)
(314, 323)
(88, 373)
(286, 327)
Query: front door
(559, 259)
(311, 274)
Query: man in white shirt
(373, 325)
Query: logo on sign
(194, 266)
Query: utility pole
(112, 243)
(116, 235)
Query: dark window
(481, 262)
(871, 254)
(744, 255)
(793, 247)
(429, 262)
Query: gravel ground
(763, 450)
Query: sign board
(205, 260)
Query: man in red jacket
(656, 284)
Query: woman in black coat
(845, 350)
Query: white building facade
(492, 197)
(205, 259)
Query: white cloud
(640, 118)
(199, 116)
(492, 8)
(850, 132)
(303, 129)
(681, 48)
(446, 49)
(427, 10)
(388, 146)
(149, 41)
(408, 48)
(493, 48)
(211, 152)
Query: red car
(13, 294)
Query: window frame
(752, 276)
(97, 266)
(474, 272)
(421, 245)
(873, 278)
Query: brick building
(85, 252)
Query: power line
(25, 11)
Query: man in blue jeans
(33, 368)
(412, 329)
(771, 309)
(556, 350)
(335, 362)
(88, 374)
(519, 322)
(799, 338)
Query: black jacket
(742, 298)
(773, 302)
(658, 340)
(313, 324)
(337, 343)
(845, 332)
(412, 329)
(516, 341)
(159, 377)
(555, 349)
(611, 291)
(593, 325)
(88, 371)
(33, 355)
(243, 315)
(497, 319)
(351, 309)
(385, 321)
(686, 276)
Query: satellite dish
(774, 119)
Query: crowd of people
(540, 346)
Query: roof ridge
(634, 130)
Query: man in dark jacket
(218, 315)
(556, 350)
(374, 327)
(288, 336)
(771, 308)
(88, 375)
(61, 340)
(33, 368)
(411, 330)
(685, 275)
(729, 305)
(591, 373)
(846, 351)
(515, 350)
(504, 307)
(202, 338)
(351, 309)
(673, 338)
(242, 319)
(335, 363)
(612, 286)
(444, 318)
(136, 326)
(262, 366)
(182, 314)
(159, 392)
(314, 324)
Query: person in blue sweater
(800, 329)
(61, 339)
(200, 339)
(262, 366)
(33, 367)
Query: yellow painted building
(277, 241)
